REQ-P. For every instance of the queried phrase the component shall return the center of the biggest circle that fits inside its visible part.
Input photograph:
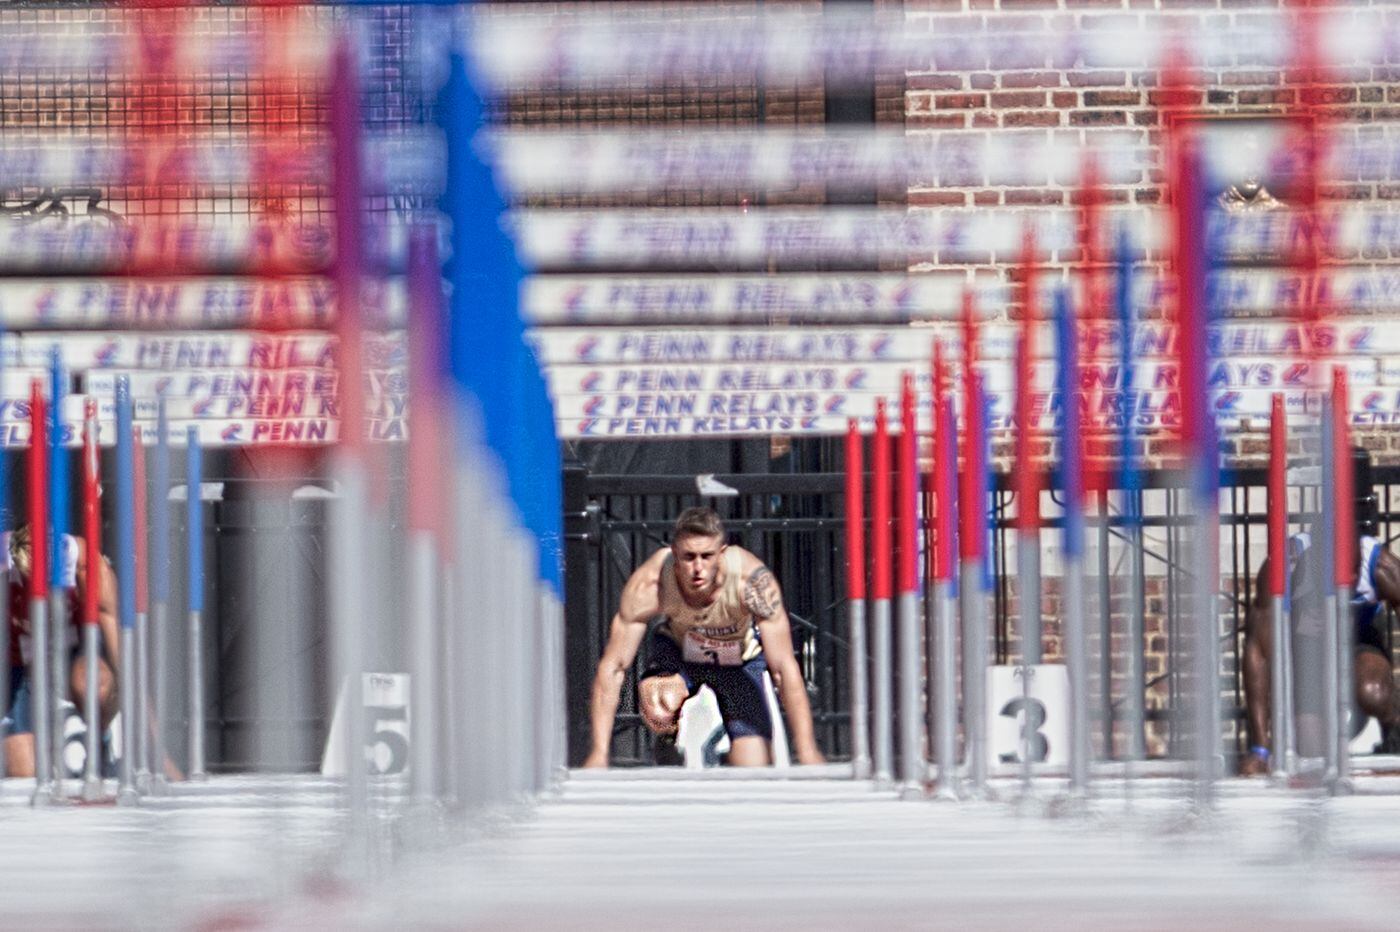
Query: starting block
(1366, 739)
(702, 740)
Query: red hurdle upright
(882, 693)
(913, 765)
(140, 729)
(972, 543)
(943, 690)
(1027, 479)
(1283, 752)
(1343, 564)
(92, 587)
(855, 600)
(39, 595)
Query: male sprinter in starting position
(19, 726)
(724, 624)
(1377, 583)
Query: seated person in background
(19, 740)
(724, 625)
(1377, 583)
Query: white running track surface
(677, 851)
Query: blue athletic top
(1365, 603)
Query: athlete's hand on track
(661, 701)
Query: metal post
(126, 590)
(561, 725)
(453, 710)
(520, 605)
(1134, 698)
(1073, 622)
(422, 620)
(1077, 663)
(1028, 569)
(92, 587)
(38, 597)
(860, 689)
(1105, 613)
(943, 691)
(913, 764)
(978, 576)
(1205, 556)
(881, 585)
(4, 661)
(58, 672)
(5, 619)
(973, 605)
(1346, 687)
(972, 548)
(92, 713)
(1283, 762)
(44, 788)
(495, 589)
(472, 635)
(1027, 512)
(59, 580)
(551, 700)
(1192, 263)
(1285, 745)
(1344, 567)
(159, 569)
(1027, 475)
(855, 596)
(424, 501)
(137, 731)
(347, 545)
(347, 594)
(1332, 722)
(194, 598)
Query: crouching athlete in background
(76, 576)
(724, 624)
(1376, 587)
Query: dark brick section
(1033, 118)
(1009, 99)
(1113, 98)
(1098, 118)
(959, 101)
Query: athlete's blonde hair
(699, 521)
(731, 592)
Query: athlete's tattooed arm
(764, 599)
(761, 595)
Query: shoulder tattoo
(761, 594)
